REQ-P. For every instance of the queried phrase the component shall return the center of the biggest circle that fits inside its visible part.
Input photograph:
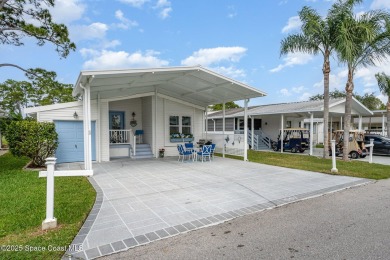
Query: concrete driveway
(146, 200)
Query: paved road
(351, 224)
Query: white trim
(30, 110)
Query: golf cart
(294, 139)
(356, 147)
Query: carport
(146, 200)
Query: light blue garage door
(71, 141)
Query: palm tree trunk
(347, 116)
(388, 117)
(326, 71)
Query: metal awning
(195, 85)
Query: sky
(239, 39)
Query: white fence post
(371, 149)
(334, 169)
(50, 221)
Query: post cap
(51, 160)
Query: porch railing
(124, 137)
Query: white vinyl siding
(129, 106)
(167, 108)
(67, 113)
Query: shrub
(36, 140)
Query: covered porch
(156, 102)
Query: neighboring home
(376, 123)
(137, 112)
(266, 121)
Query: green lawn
(312, 163)
(23, 208)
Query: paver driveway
(145, 200)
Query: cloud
(285, 92)
(336, 81)
(292, 59)
(230, 71)
(378, 4)
(67, 11)
(164, 7)
(134, 3)
(231, 11)
(206, 57)
(106, 59)
(298, 89)
(292, 24)
(124, 22)
(88, 32)
(305, 96)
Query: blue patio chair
(189, 147)
(183, 153)
(206, 152)
(212, 150)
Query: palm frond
(383, 83)
(298, 43)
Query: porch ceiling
(195, 85)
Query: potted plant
(188, 137)
(161, 152)
(178, 137)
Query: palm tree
(318, 36)
(384, 86)
(364, 41)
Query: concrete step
(143, 151)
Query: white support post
(50, 221)
(89, 128)
(246, 129)
(341, 123)
(223, 128)
(281, 132)
(383, 125)
(85, 131)
(360, 123)
(331, 127)
(97, 137)
(311, 132)
(334, 169)
(371, 150)
(253, 132)
(155, 124)
(207, 122)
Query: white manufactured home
(136, 112)
(265, 121)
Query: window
(180, 124)
(186, 125)
(174, 125)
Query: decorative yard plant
(35, 140)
